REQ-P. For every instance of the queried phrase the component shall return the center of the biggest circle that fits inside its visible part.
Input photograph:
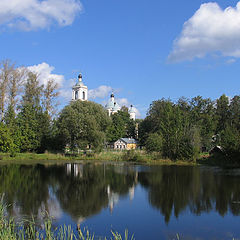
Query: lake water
(153, 202)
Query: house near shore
(125, 144)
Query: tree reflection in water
(83, 190)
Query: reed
(10, 230)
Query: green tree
(230, 141)
(6, 141)
(173, 123)
(81, 124)
(154, 143)
(222, 113)
(202, 114)
(235, 112)
(31, 115)
(121, 126)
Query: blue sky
(140, 48)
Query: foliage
(121, 126)
(173, 129)
(133, 156)
(169, 130)
(154, 142)
(33, 123)
(10, 230)
(6, 140)
(222, 112)
(81, 124)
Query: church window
(83, 95)
(76, 95)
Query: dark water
(152, 202)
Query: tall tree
(15, 87)
(31, 114)
(203, 116)
(6, 73)
(222, 113)
(235, 112)
(49, 97)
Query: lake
(153, 202)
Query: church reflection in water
(84, 190)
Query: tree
(15, 86)
(49, 95)
(30, 117)
(121, 126)
(230, 141)
(6, 71)
(81, 124)
(173, 123)
(202, 114)
(14, 89)
(154, 143)
(235, 112)
(6, 141)
(222, 113)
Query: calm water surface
(152, 202)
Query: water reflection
(83, 190)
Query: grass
(9, 230)
(137, 156)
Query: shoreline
(131, 157)
(135, 157)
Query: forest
(30, 121)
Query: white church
(80, 92)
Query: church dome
(132, 110)
(116, 107)
(80, 84)
(110, 104)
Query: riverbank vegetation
(175, 130)
(132, 156)
(11, 230)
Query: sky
(142, 50)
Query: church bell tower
(80, 91)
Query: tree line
(183, 129)
(28, 122)
(174, 130)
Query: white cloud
(100, 92)
(66, 91)
(210, 30)
(125, 102)
(231, 61)
(44, 72)
(37, 14)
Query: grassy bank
(134, 156)
(137, 156)
(10, 230)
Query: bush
(154, 143)
(132, 155)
